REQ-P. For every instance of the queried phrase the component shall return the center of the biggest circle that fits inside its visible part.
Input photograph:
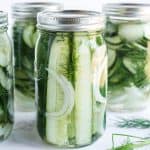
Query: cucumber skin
(41, 121)
(82, 88)
(22, 51)
(126, 48)
(111, 57)
(42, 53)
(59, 62)
(136, 50)
(6, 91)
(131, 32)
(71, 117)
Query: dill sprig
(139, 123)
(140, 143)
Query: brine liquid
(129, 63)
(23, 35)
(69, 63)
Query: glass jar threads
(127, 35)
(24, 36)
(6, 80)
(71, 75)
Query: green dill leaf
(128, 146)
(3, 91)
(134, 123)
(99, 40)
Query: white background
(71, 4)
(24, 135)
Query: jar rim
(70, 20)
(30, 9)
(127, 11)
(3, 19)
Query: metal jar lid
(3, 19)
(70, 20)
(127, 11)
(30, 10)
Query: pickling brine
(24, 37)
(6, 80)
(71, 75)
(128, 42)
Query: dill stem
(142, 143)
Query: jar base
(5, 131)
(94, 139)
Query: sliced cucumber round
(131, 32)
(116, 78)
(115, 40)
(111, 57)
(114, 47)
(139, 47)
(114, 68)
(27, 63)
(147, 31)
(119, 74)
(28, 35)
(4, 80)
(34, 37)
(130, 65)
(5, 50)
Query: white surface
(25, 136)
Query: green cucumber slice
(116, 78)
(5, 50)
(83, 91)
(131, 32)
(118, 73)
(115, 67)
(30, 35)
(34, 37)
(147, 31)
(57, 128)
(4, 80)
(130, 65)
(115, 40)
(138, 47)
(111, 57)
(114, 47)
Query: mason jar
(71, 75)
(6, 80)
(127, 35)
(24, 37)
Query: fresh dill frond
(129, 145)
(139, 123)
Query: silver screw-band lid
(30, 10)
(70, 20)
(3, 19)
(127, 11)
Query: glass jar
(127, 35)
(6, 80)
(71, 75)
(24, 36)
